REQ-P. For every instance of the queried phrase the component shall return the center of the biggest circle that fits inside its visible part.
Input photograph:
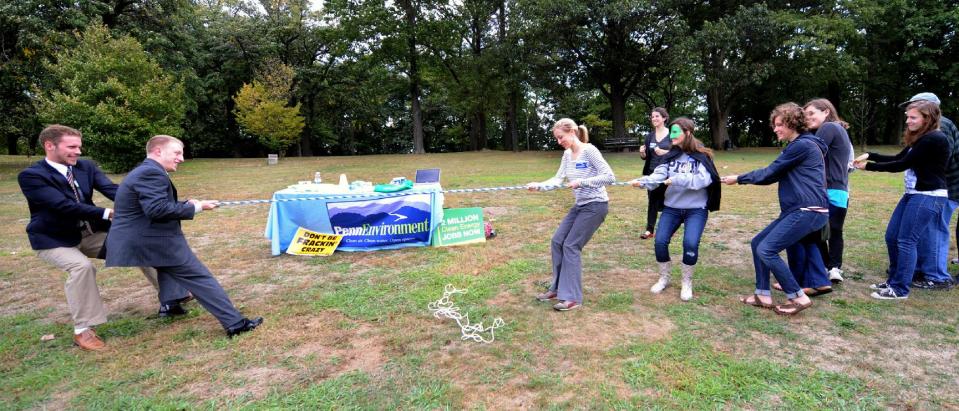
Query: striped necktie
(72, 182)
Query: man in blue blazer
(146, 231)
(66, 227)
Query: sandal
(791, 308)
(813, 292)
(647, 235)
(755, 301)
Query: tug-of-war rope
(444, 308)
(396, 194)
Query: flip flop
(813, 292)
(756, 302)
(793, 306)
(647, 235)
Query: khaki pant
(83, 295)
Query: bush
(114, 93)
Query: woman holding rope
(800, 172)
(924, 160)
(692, 191)
(587, 173)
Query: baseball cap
(922, 96)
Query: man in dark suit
(146, 231)
(66, 227)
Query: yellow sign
(306, 242)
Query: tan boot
(663, 278)
(686, 293)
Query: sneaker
(566, 305)
(879, 286)
(888, 294)
(549, 295)
(835, 275)
(660, 285)
(933, 285)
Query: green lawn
(352, 331)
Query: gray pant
(572, 235)
(195, 277)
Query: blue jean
(933, 259)
(783, 232)
(694, 221)
(911, 220)
(806, 264)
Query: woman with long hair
(800, 172)
(692, 191)
(656, 145)
(823, 119)
(585, 171)
(924, 160)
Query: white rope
(444, 308)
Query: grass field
(351, 331)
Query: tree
(608, 45)
(736, 52)
(262, 110)
(113, 92)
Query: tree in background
(263, 109)
(112, 91)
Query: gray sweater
(689, 179)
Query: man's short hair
(161, 141)
(55, 132)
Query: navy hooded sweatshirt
(800, 171)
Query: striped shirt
(590, 170)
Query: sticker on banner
(306, 242)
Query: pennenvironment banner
(306, 242)
(460, 226)
(382, 222)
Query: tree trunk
(306, 148)
(617, 103)
(417, 114)
(718, 116)
(512, 127)
(12, 144)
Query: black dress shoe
(184, 300)
(171, 310)
(245, 325)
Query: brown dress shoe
(88, 340)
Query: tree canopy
(414, 76)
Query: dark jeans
(783, 232)
(831, 251)
(933, 259)
(912, 219)
(806, 264)
(656, 198)
(693, 221)
(567, 245)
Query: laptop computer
(427, 176)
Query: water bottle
(317, 178)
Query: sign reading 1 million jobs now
(460, 226)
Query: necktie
(72, 182)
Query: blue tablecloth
(375, 221)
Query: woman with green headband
(692, 191)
